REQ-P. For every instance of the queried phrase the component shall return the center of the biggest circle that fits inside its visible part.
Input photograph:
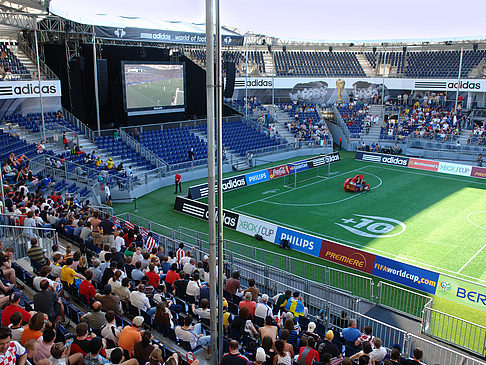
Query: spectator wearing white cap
(260, 357)
(311, 327)
(262, 309)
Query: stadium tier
(11, 144)
(340, 64)
(10, 62)
(118, 147)
(173, 145)
(33, 122)
(241, 137)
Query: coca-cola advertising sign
(279, 171)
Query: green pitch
(443, 216)
(162, 92)
(441, 233)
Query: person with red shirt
(153, 277)
(13, 307)
(171, 277)
(178, 179)
(249, 303)
(86, 288)
(307, 353)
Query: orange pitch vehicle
(356, 184)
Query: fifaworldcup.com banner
(461, 292)
(402, 273)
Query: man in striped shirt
(181, 253)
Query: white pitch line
(472, 258)
(364, 247)
(299, 187)
(328, 203)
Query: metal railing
(270, 282)
(459, 332)
(144, 151)
(88, 132)
(402, 300)
(435, 353)
(25, 47)
(340, 121)
(70, 171)
(18, 237)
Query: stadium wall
(322, 90)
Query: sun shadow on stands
(393, 319)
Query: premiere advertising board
(240, 181)
(461, 292)
(347, 256)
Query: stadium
(183, 193)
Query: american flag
(129, 225)
(143, 232)
(155, 236)
(116, 220)
(150, 243)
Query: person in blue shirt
(93, 357)
(351, 333)
(137, 274)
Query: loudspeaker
(374, 49)
(330, 49)
(475, 47)
(102, 70)
(230, 79)
(404, 49)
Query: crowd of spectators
(306, 125)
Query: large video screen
(151, 88)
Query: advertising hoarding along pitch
(417, 163)
(347, 256)
(461, 292)
(201, 210)
(454, 169)
(252, 226)
(402, 273)
(478, 172)
(279, 171)
(299, 241)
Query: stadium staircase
(373, 136)
(22, 56)
(282, 119)
(269, 65)
(368, 70)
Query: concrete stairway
(269, 66)
(28, 63)
(282, 119)
(368, 70)
(372, 136)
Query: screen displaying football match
(151, 88)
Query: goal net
(302, 171)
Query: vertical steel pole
(246, 76)
(39, 80)
(219, 147)
(273, 80)
(1, 186)
(95, 71)
(383, 88)
(211, 182)
(458, 82)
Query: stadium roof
(304, 20)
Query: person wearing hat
(110, 164)
(327, 347)
(311, 327)
(130, 335)
(260, 357)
